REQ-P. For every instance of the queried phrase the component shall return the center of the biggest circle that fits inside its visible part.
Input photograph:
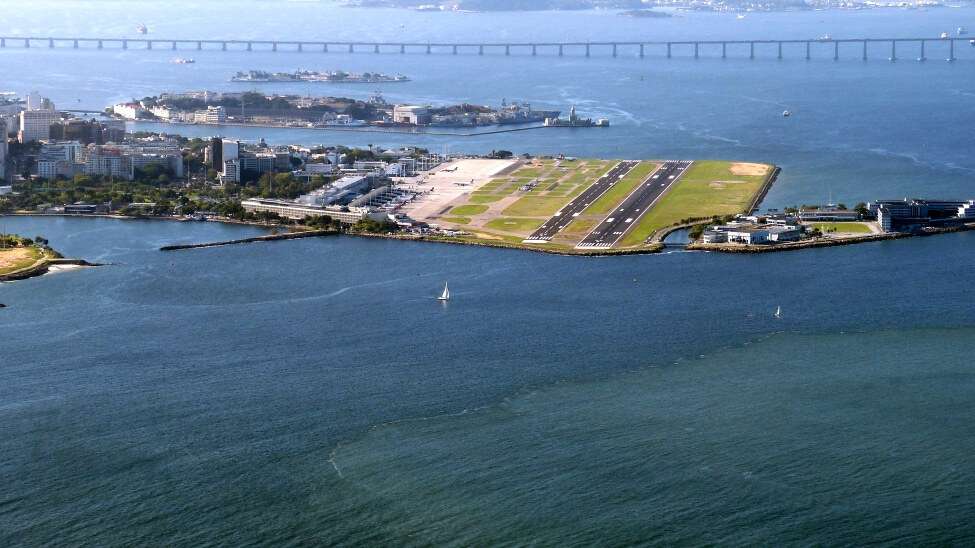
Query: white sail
(778, 312)
(445, 296)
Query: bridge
(806, 48)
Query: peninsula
(22, 258)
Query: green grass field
(515, 224)
(456, 220)
(465, 210)
(479, 198)
(708, 188)
(853, 228)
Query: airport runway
(626, 215)
(572, 210)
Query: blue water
(314, 392)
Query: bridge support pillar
(250, 46)
(100, 45)
(223, 46)
(3, 42)
(696, 49)
(199, 45)
(50, 42)
(780, 51)
(507, 50)
(148, 44)
(534, 50)
(561, 50)
(893, 50)
(428, 49)
(951, 51)
(27, 43)
(301, 47)
(668, 50)
(922, 57)
(864, 50)
(641, 51)
(454, 52)
(751, 50)
(75, 45)
(375, 48)
(274, 46)
(836, 51)
(351, 48)
(402, 48)
(808, 52)
(480, 49)
(724, 50)
(174, 46)
(588, 53)
(125, 44)
(614, 50)
(324, 48)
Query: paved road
(563, 217)
(626, 215)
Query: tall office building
(216, 153)
(3, 149)
(35, 125)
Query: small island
(327, 77)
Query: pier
(778, 49)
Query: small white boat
(142, 29)
(971, 42)
(445, 296)
(786, 113)
(944, 35)
(825, 38)
(182, 61)
(962, 31)
(778, 312)
(740, 16)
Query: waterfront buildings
(828, 213)
(297, 211)
(212, 115)
(908, 215)
(411, 114)
(129, 111)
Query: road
(572, 210)
(626, 215)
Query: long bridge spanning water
(805, 48)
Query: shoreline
(296, 232)
(824, 242)
(42, 267)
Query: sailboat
(445, 296)
(778, 312)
